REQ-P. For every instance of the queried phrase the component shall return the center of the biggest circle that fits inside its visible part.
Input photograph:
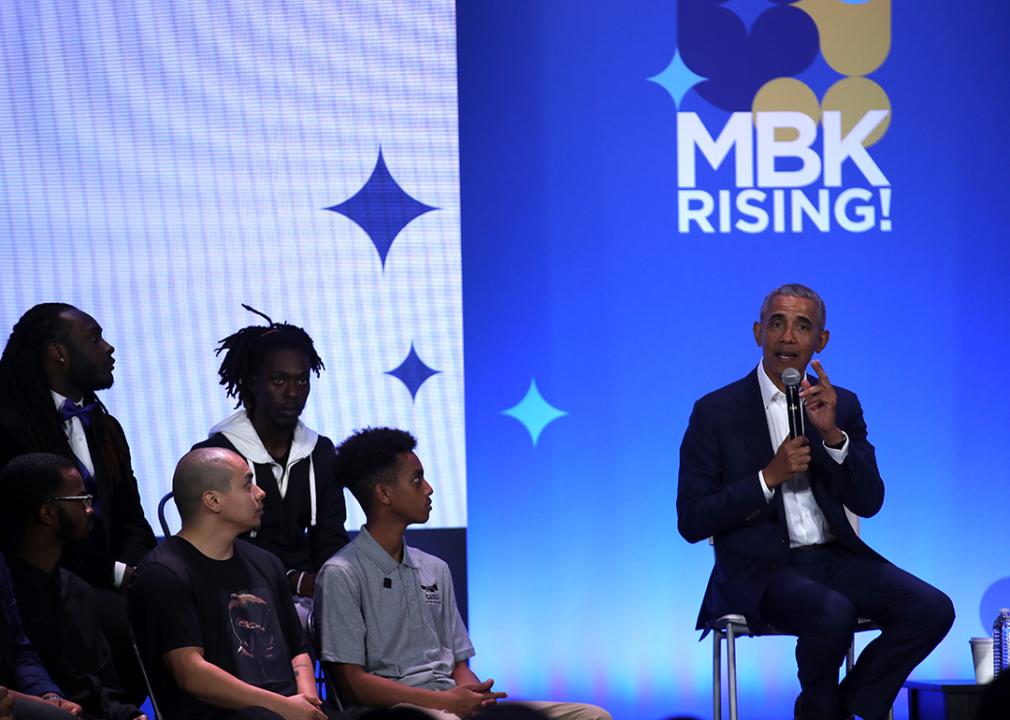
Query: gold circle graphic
(786, 94)
(855, 38)
(853, 97)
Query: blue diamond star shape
(412, 372)
(381, 208)
(534, 412)
(748, 10)
(677, 78)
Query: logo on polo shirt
(431, 594)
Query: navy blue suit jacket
(719, 495)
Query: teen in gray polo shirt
(389, 630)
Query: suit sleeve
(80, 608)
(708, 503)
(329, 534)
(131, 537)
(137, 536)
(856, 482)
(31, 675)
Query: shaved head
(201, 470)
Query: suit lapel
(754, 423)
(754, 426)
(101, 480)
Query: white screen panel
(162, 163)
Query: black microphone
(794, 407)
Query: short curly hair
(26, 483)
(369, 457)
(800, 291)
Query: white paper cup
(981, 655)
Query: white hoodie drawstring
(312, 493)
(282, 486)
(238, 429)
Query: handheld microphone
(794, 407)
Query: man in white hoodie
(267, 369)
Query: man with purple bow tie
(51, 368)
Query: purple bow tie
(70, 409)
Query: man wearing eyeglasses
(43, 509)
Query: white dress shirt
(75, 435)
(804, 519)
(79, 445)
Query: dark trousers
(258, 713)
(253, 713)
(25, 710)
(819, 596)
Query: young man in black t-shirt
(213, 614)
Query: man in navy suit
(786, 556)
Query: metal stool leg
(731, 666)
(717, 675)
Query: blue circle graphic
(996, 597)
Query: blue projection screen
(163, 163)
(636, 177)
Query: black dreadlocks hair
(245, 350)
(23, 386)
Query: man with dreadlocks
(267, 368)
(51, 368)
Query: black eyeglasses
(85, 500)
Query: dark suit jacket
(719, 494)
(121, 532)
(59, 613)
(20, 667)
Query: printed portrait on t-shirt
(255, 628)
